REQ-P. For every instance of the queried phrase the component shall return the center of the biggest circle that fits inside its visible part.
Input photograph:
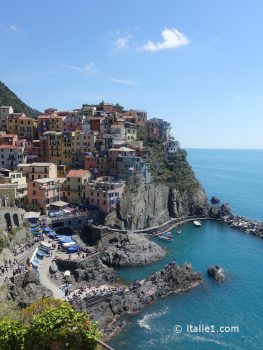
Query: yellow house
(83, 142)
(130, 131)
(25, 127)
(12, 123)
(56, 123)
(73, 186)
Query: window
(34, 193)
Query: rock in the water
(216, 273)
(127, 249)
(214, 200)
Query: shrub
(49, 324)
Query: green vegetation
(4, 243)
(175, 173)
(48, 324)
(8, 98)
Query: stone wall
(11, 217)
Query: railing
(105, 346)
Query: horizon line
(225, 148)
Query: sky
(197, 64)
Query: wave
(198, 338)
(144, 322)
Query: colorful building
(13, 186)
(158, 129)
(73, 186)
(11, 154)
(44, 192)
(5, 111)
(104, 193)
(35, 171)
(25, 127)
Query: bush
(49, 324)
(12, 333)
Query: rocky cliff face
(26, 288)
(148, 205)
(174, 192)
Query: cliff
(173, 193)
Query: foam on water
(145, 321)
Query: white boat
(197, 223)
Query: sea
(212, 316)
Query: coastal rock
(127, 249)
(216, 273)
(89, 271)
(218, 212)
(26, 288)
(139, 294)
(214, 200)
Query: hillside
(8, 98)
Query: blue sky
(198, 64)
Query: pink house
(43, 192)
(104, 193)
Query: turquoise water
(234, 176)
(235, 302)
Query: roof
(49, 179)
(77, 173)
(24, 117)
(122, 149)
(32, 215)
(59, 204)
(35, 164)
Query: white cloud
(122, 42)
(172, 38)
(89, 68)
(12, 28)
(123, 81)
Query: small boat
(197, 223)
(178, 231)
(166, 236)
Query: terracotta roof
(77, 173)
(24, 117)
(44, 116)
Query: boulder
(53, 267)
(216, 273)
(26, 288)
(128, 249)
